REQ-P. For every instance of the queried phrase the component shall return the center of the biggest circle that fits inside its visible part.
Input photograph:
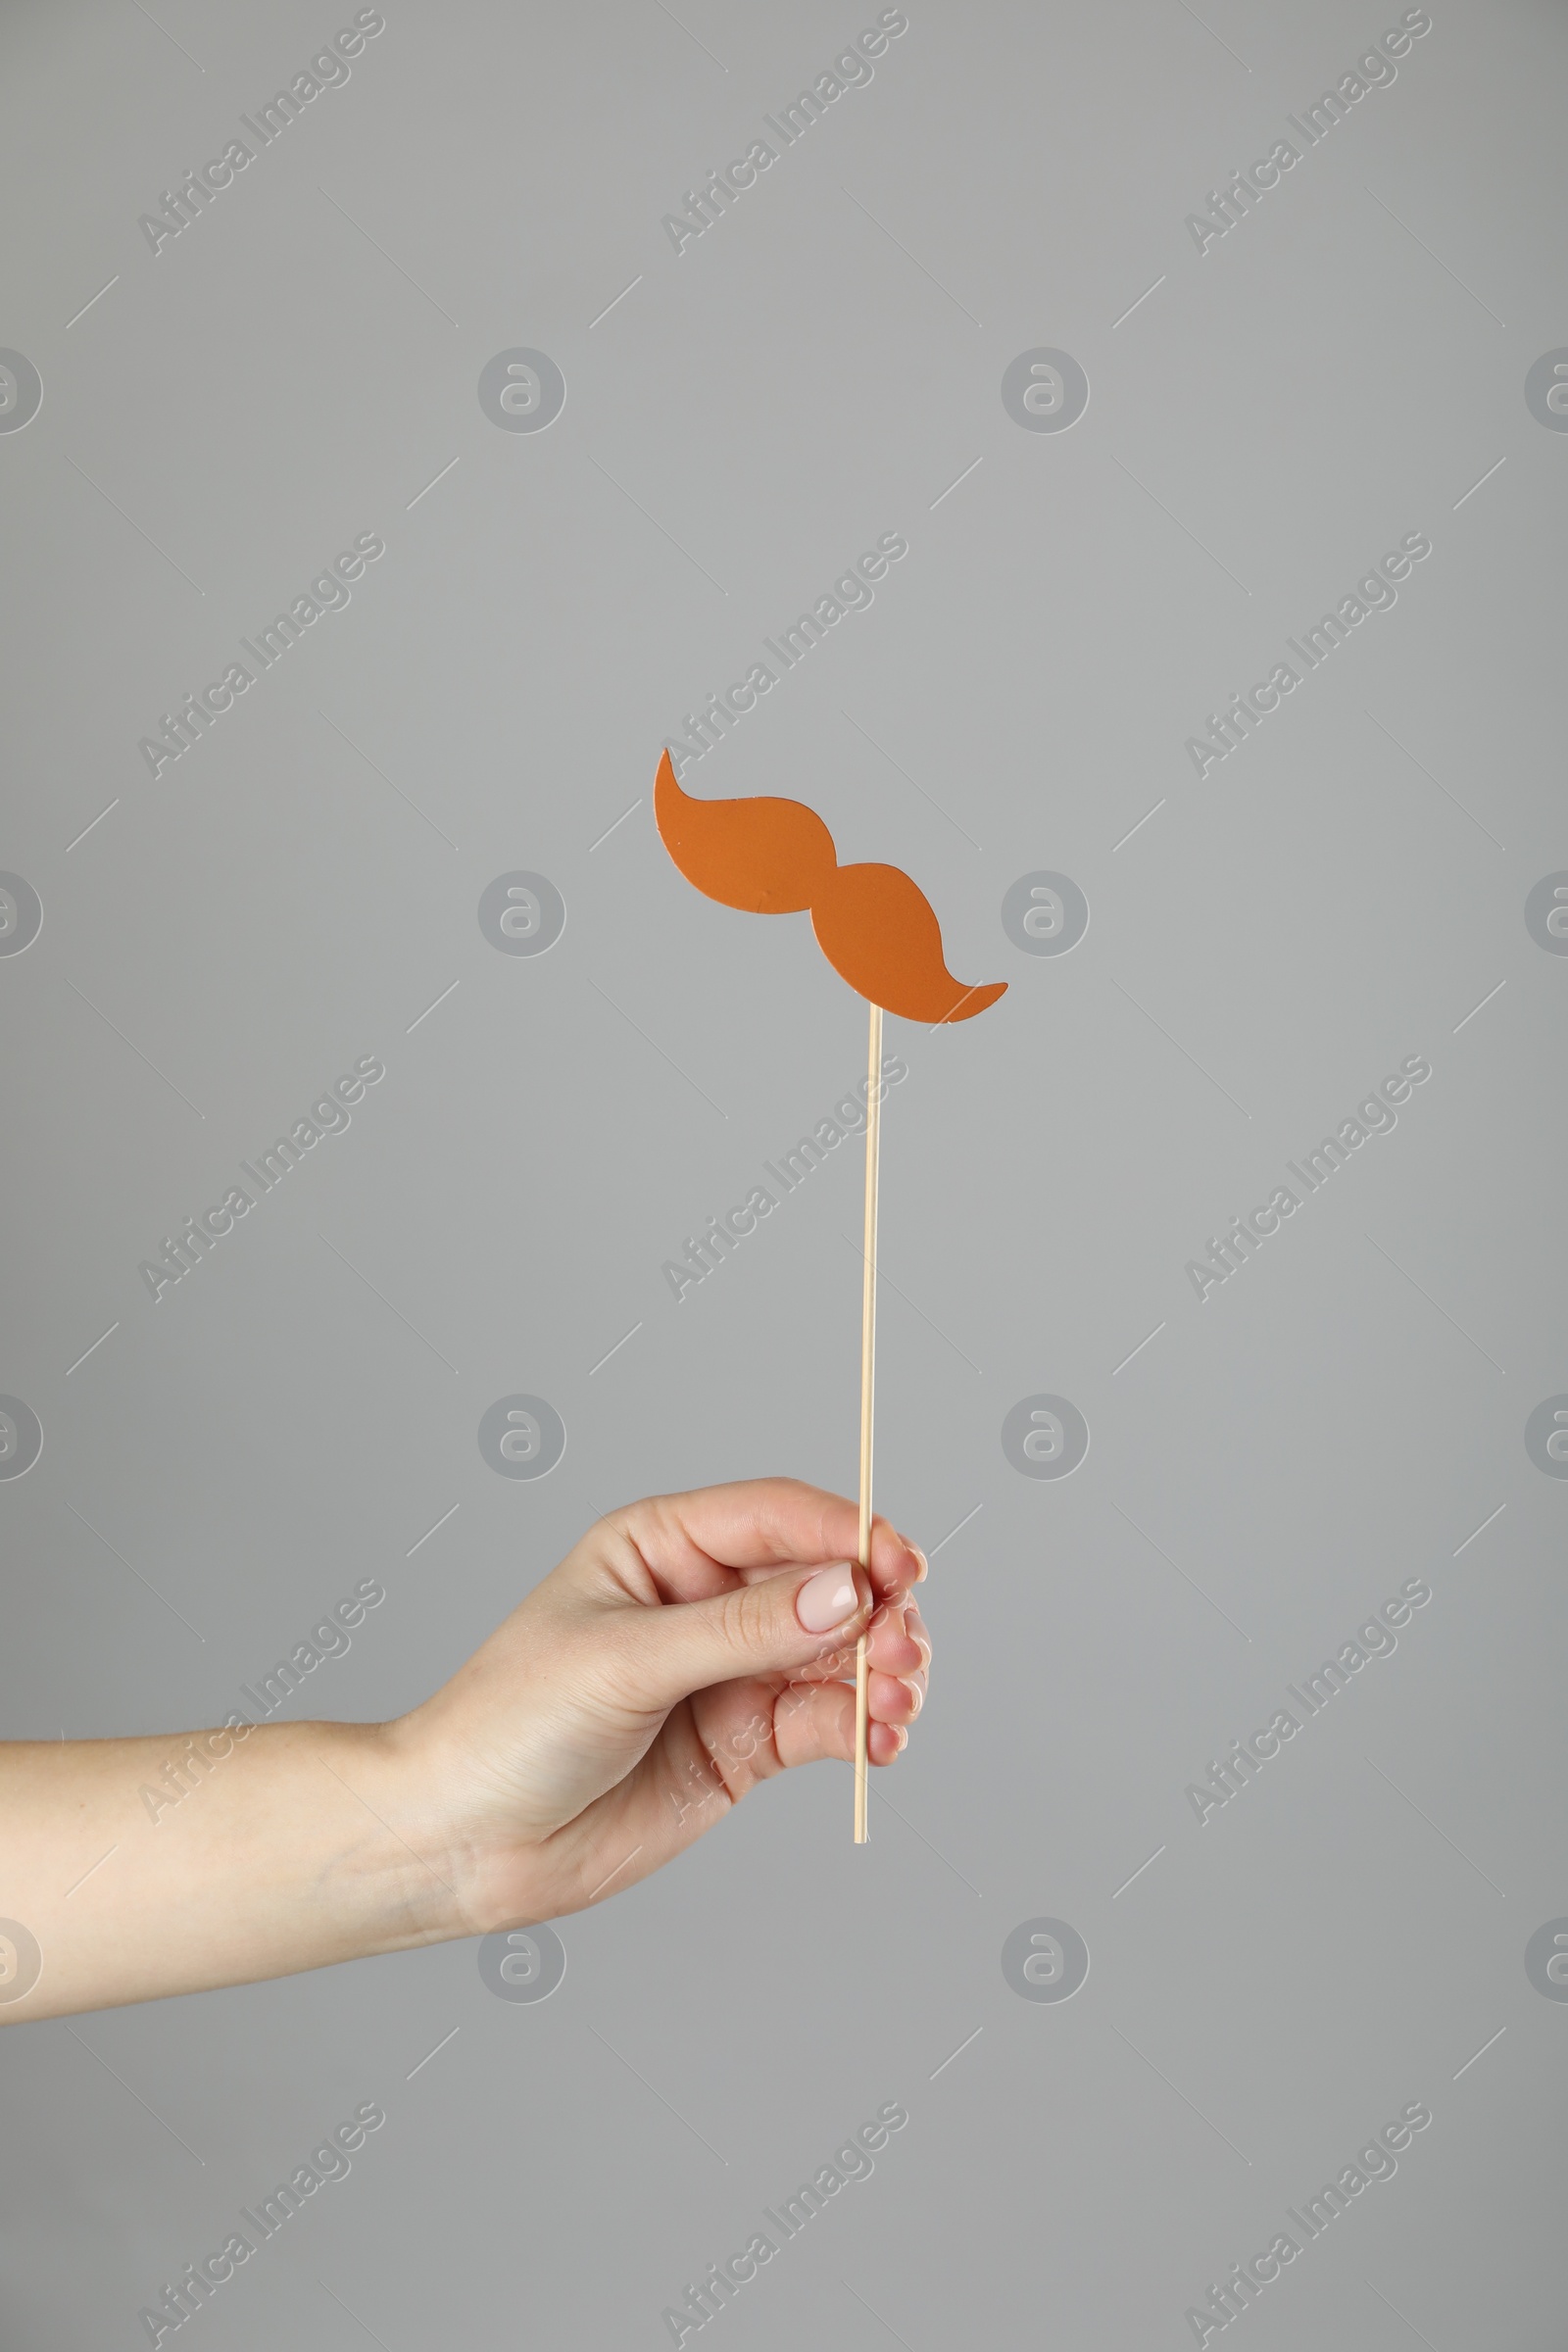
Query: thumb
(801, 1618)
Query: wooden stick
(873, 1140)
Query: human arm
(645, 1686)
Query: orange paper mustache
(876, 927)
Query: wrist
(474, 1867)
(396, 1870)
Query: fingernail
(827, 1599)
(916, 1553)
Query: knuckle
(743, 1620)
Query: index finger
(704, 1541)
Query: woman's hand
(688, 1648)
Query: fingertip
(899, 1562)
(895, 1646)
(886, 1743)
(830, 1598)
(896, 1699)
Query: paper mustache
(876, 927)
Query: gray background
(1340, 893)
